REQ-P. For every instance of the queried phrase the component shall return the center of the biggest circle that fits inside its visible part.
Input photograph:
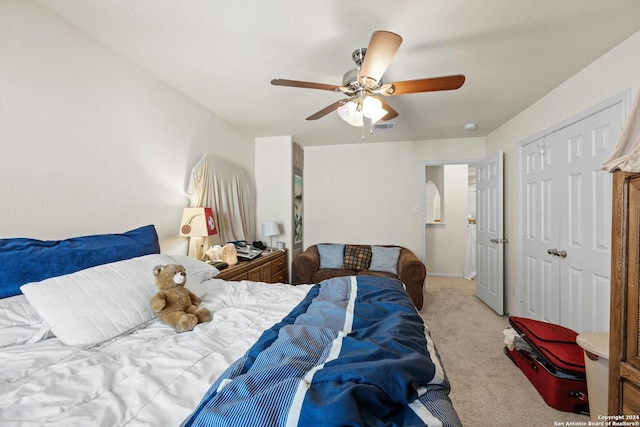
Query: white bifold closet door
(565, 221)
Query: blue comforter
(353, 353)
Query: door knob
(554, 251)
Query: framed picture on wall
(297, 206)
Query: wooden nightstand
(270, 267)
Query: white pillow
(91, 306)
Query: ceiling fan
(363, 85)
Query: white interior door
(585, 220)
(540, 235)
(489, 232)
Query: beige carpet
(488, 390)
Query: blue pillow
(384, 259)
(29, 260)
(331, 255)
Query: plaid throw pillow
(356, 258)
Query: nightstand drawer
(261, 273)
(279, 264)
(279, 277)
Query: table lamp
(197, 223)
(270, 229)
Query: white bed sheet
(19, 322)
(153, 377)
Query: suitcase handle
(529, 359)
(578, 394)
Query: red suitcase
(554, 364)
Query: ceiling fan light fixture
(371, 106)
(358, 120)
(378, 115)
(347, 111)
(350, 114)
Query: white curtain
(226, 188)
(626, 153)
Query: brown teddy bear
(174, 304)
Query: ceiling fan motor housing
(350, 79)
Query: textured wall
(90, 142)
(614, 72)
(374, 193)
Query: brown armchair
(411, 271)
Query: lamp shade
(270, 229)
(197, 222)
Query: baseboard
(445, 275)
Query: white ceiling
(224, 53)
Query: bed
(348, 351)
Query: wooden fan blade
(381, 49)
(307, 85)
(391, 113)
(424, 85)
(327, 110)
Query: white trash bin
(596, 363)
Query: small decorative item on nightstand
(229, 254)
